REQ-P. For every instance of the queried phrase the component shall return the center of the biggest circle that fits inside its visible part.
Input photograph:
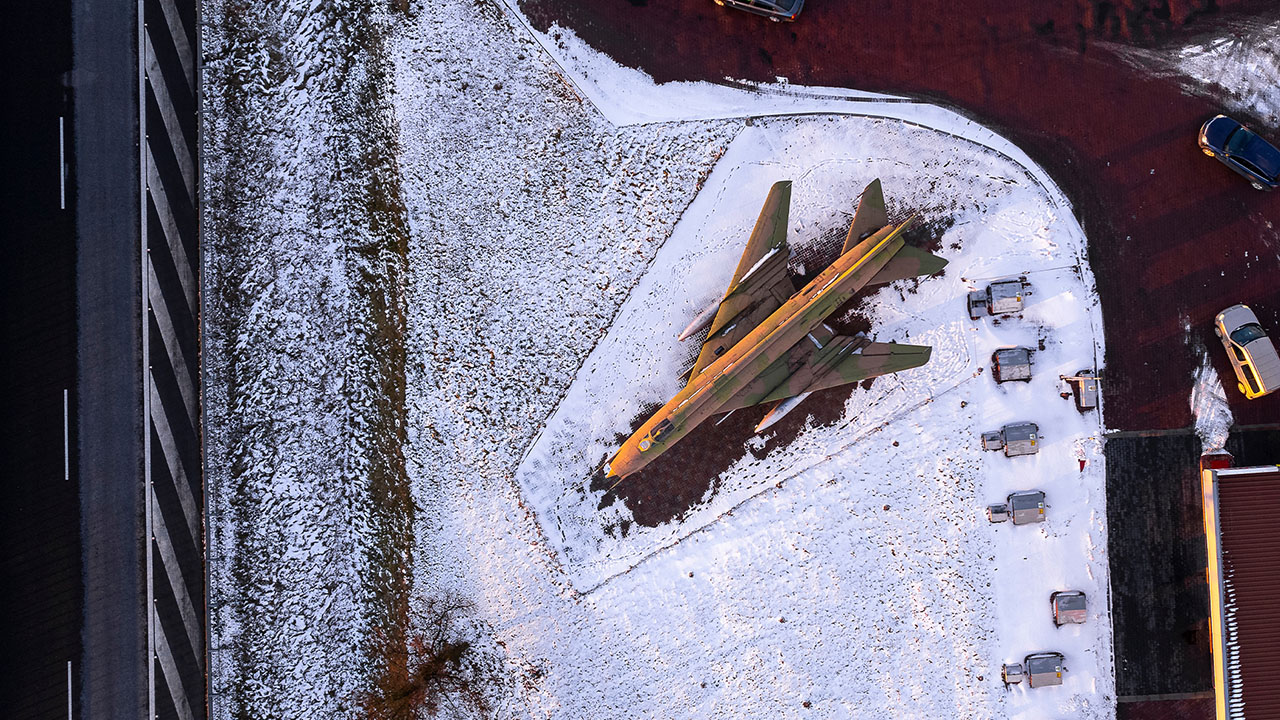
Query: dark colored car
(1240, 149)
(775, 10)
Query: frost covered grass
(305, 243)
(429, 257)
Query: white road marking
(68, 690)
(62, 164)
(66, 441)
(148, 532)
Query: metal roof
(1240, 508)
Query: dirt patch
(687, 475)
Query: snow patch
(1241, 67)
(1210, 408)
(552, 243)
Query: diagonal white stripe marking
(160, 196)
(176, 470)
(160, 309)
(171, 125)
(169, 667)
(173, 570)
(174, 21)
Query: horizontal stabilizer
(875, 359)
(811, 366)
(908, 262)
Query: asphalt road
(40, 584)
(71, 517)
(1174, 237)
(109, 351)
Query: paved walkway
(175, 503)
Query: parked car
(775, 10)
(1240, 149)
(1250, 351)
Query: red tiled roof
(1248, 513)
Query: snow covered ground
(444, 194)
(1238, 65)
(1210, 408)
(1242, 67)
(302, 240)
(812, 598)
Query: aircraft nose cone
(620, 465)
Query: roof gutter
(1217, 596)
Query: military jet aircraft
(768, 343)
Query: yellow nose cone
(623, 463)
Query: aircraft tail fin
(769, 233)
(870, 216)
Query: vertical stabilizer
(869, 218)
(770, 232)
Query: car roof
(1265, 156)
(1266, 362)
(1245, 144)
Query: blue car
(1240, 149)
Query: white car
(1250, 351)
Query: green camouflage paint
(769, 362)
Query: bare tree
(432, 669)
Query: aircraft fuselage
(771, 339)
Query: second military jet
(769, 344)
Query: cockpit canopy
(658, 432)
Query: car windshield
(1246, 334)
(1239, 140)
(781, 5)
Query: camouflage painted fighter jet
(769, 344)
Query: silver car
(1250, 351)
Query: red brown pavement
(1174, 236)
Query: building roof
(1241, 507)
